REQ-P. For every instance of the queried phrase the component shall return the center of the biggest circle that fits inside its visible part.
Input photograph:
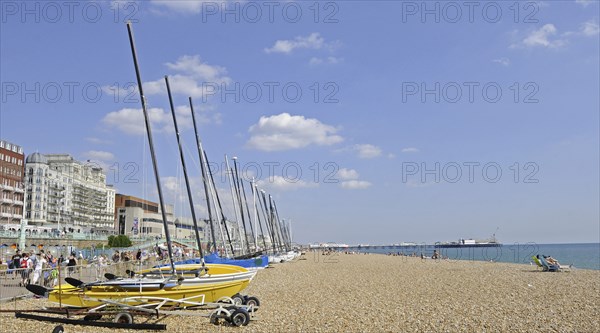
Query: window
(1, 144)
(7, 146)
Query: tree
(119, 241)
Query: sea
(583, 255)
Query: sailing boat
(208, 283)
(252, 262)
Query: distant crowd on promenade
(42, 267)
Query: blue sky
(387, 93)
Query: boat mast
(257, 217)
(275, 222)
(282, 228)
(203, 170)
(217, 213)
(270, 220)
(234, 201)
(248, 213)
(185, 174)
(237, 188)
(223, 219)
(151, 144)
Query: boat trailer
(230, 311)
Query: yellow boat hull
(71, 296)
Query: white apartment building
(66, 194)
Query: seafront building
(138, 217)
(11, 183)
(56, 195)
(67, 195)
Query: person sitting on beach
(552, 261)
(435, 255)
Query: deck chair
(537, 262)
(547, 266)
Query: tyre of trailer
(239, 317)
(124, 318)
(252, 301)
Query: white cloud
(312, 41)
(502, 61)
(367, 150)
(284, 132)
(543, 37)
(590, 28)
(547, 36)
(194, 78)
(410, 150)
(284, 184)
(584, 3)
(131, 121)
(196, 68)
(391, 155)
(355, 184)
(170, 184)
(314, 61)
(347, 174)
(99, 155)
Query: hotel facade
(67, 195)
(11, 183)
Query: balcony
(6, 200)
(6, 187)
(19, 190)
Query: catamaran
(210, 283)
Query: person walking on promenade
(26, 265)
(39, 265)
(72, 263)
(16, 259)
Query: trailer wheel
(239, 317)
(218, 318)
(238, 299)
(124, 318)
(58, 329)
(252, 301)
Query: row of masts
(264, 211)
(257, 219)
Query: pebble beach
(378, 293)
